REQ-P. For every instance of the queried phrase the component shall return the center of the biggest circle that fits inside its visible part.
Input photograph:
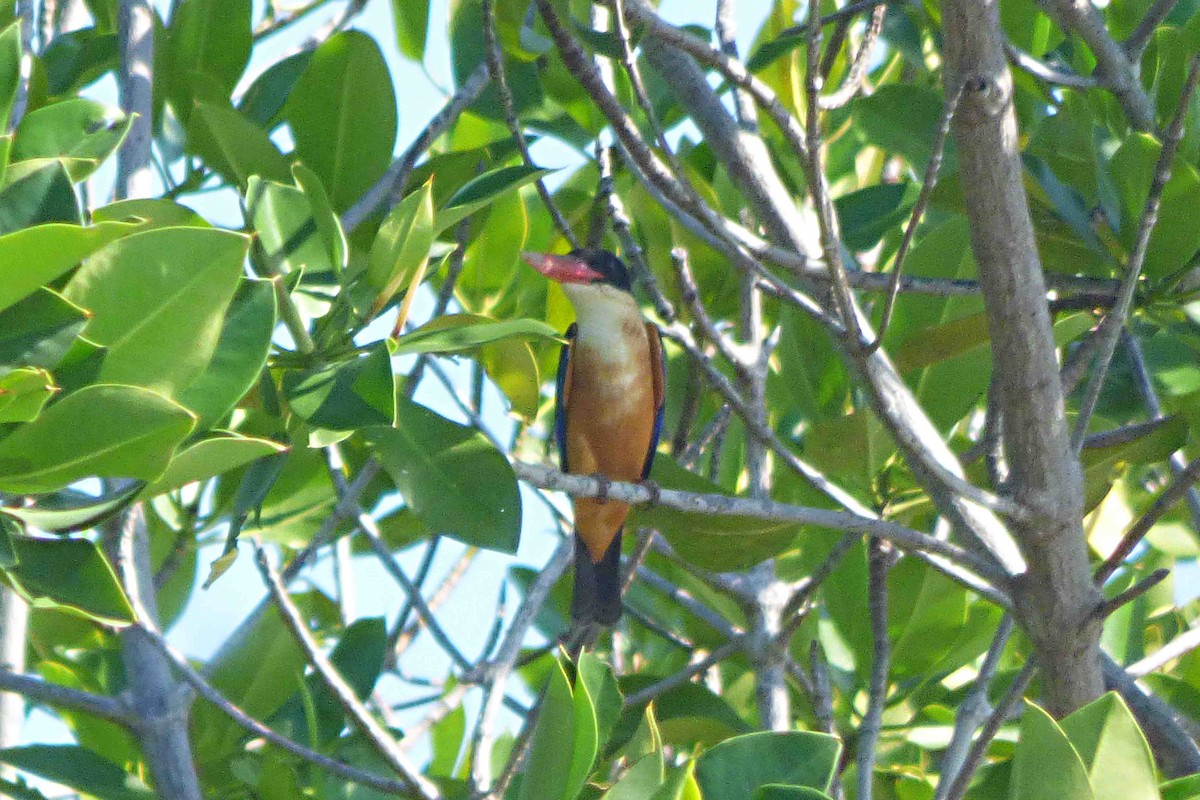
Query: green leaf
(640, 781)
(75, 59)
(23, 392)
(868, 214)
(606, 698)
(159, 300)
(458, 333)
(1114, 751)
(68, 510)
(233, 145)
(928, 610)
(38, 255)
(82, 132)
(38, 330)
(483, 190)
(689, 714)
(1186, 788)
(70, 574)
(209, 44)
(240, 354)
(152, 212)
(903, 119)
(329, 225)
(451, 476)
(1176, 236)
(37, 192)
(411, 18)
(553, 751)
(267, 95)
(402, 245)
(735, 768)
(211, 457)
(286, 224)
(10, 71)
(1046, 765)
(78, 768)
(257, 669)
(103, 431)
(774, 791)
(1102, 464)
(358, 657)
(343, 116)
(8, 530)
(346, 396)
(713, 542)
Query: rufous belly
(610, 420)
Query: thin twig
(52, 694)
(250, 724)
(857, 73)
(927, 185)
(1140, 37)
(495, 64)
(1178, 647)
(1044, 72)
(1110, 606)
(682, 676)
(822, 699)
(879, 562)
(390, 188)
(962, 780)
(378, 736)
(1114, 321)
(973, 710)
(1138, 530)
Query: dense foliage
(812, 614)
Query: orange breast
(610, 419)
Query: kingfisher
(608, 412)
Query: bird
(608, 412)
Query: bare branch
(879, 562)
(1178, 647)
(135, 23)
(972, 711)
(1114, 68)
(1110, 328)
(1174, 750)
(724, 505)
(682, 676)
(1110, 606)
(1138, 530)
(389, 189)
(1057, 598)
(1043, 71)
(379, 737)
(1140, 37)
(927, 184)
(209, 693)
(52, 694)
(495, 65)
(858, 68)
(999, 715)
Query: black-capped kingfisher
(608, 412)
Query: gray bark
(1056, 597)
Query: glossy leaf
(81, 769)
(239, 355)
(23, 392)
(481, 191)
(211, 457)
(38, 330)
(209, 42)
(557, 753)
(36, 192)
(83, 132)
(451, 476)
(402, 245)
(347, 396)
(233, 145)
(737, 767)
(343, 115)
(285, 221)
(1046, 764)
(10, 71)
(105, 431)
(38, 255)
(1114, 751)
(158, 300)
(458, 333)
(70, 574)
(68, 510)
(411, 18)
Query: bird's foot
(655, 492)
(602, 486)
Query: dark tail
(597, 586)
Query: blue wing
(658, 367)
(562, 390)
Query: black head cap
(612, 268)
